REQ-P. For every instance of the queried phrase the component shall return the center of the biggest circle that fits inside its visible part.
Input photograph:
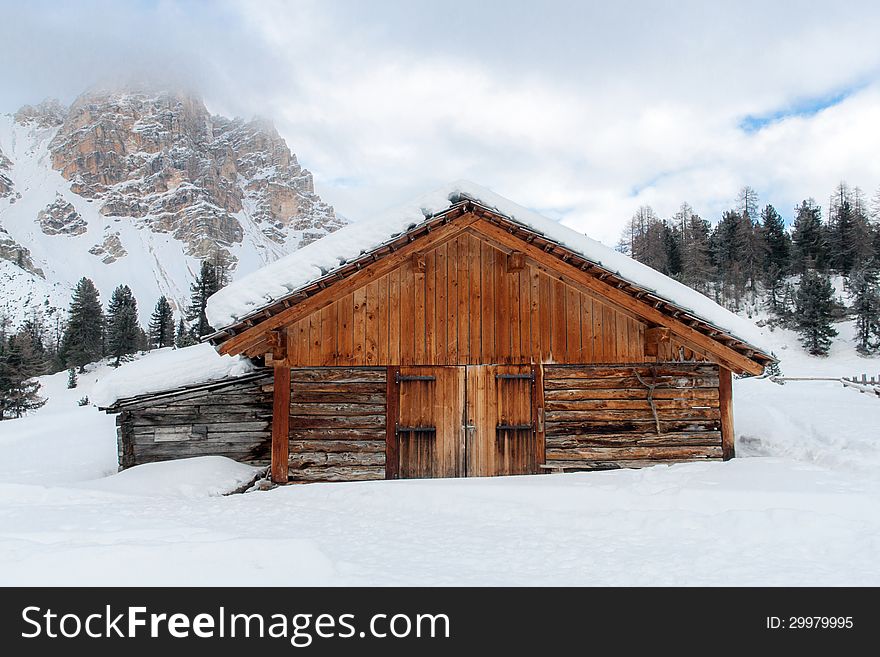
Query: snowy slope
(801, 508)
(815, 421)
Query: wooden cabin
(469, 343)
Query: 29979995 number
(810, 623)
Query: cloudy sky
(582, 110)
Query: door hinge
(415, 430)
(398, 377)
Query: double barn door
(473, 421)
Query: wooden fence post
(392, 410)
(725, 397)
(280, 408)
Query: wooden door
(500, 413)
(429, 428)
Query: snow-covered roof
(300, 268)
(168, 369)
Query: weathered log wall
(595, 417)
(337, 424)
(230, 419)
(600, 417)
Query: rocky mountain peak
(162, 159)
(135, 185)
(47, 114)
(5, 180)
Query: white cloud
(585, 111)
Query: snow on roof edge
(295, 270)
(168, 369)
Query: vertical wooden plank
(475, 301)
(294, 340)
(511, 280)
(394, 317)
(502, 316)
(633, 332)
(608, 329)
(464, 319)
(328, 334)
(344, 336)
(315, 355)
(460, 419)
(431, 308)
(419, 324)
(382, 329)
(524, 353)
(450, 414)
(407, 315)
(441, 311)
(558, 316)
(598, 339)
(489, 420)
(573, 326)
(725, 398)
(359, 299)
(545, 304)
(641, 342)
(534, 314)
(484, 433)
(620, 336)
(473, 413)
(487, 312)
(538, 414)
(392, 412)
(371, 322)
(586, 328)
(280, 422)
(453, 301)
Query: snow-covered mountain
(136, 187)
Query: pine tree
(751, 250)
(747, 202)
(865, 289)
(222, 264)
(122, 324)
(19, 390)
(204, 286)
(71, 378)
(162, 325)
(777, 253)
(142, 342)
(672, 244)
(809, 243)
(83, 336)
(183, 338)
(875, 206)
(632, 240)
(732, 252)
(849, 230)
(787, 305)
(696, 259)
(815, 306)
(777, 249)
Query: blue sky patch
(803, 108)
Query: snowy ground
(803, 509)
